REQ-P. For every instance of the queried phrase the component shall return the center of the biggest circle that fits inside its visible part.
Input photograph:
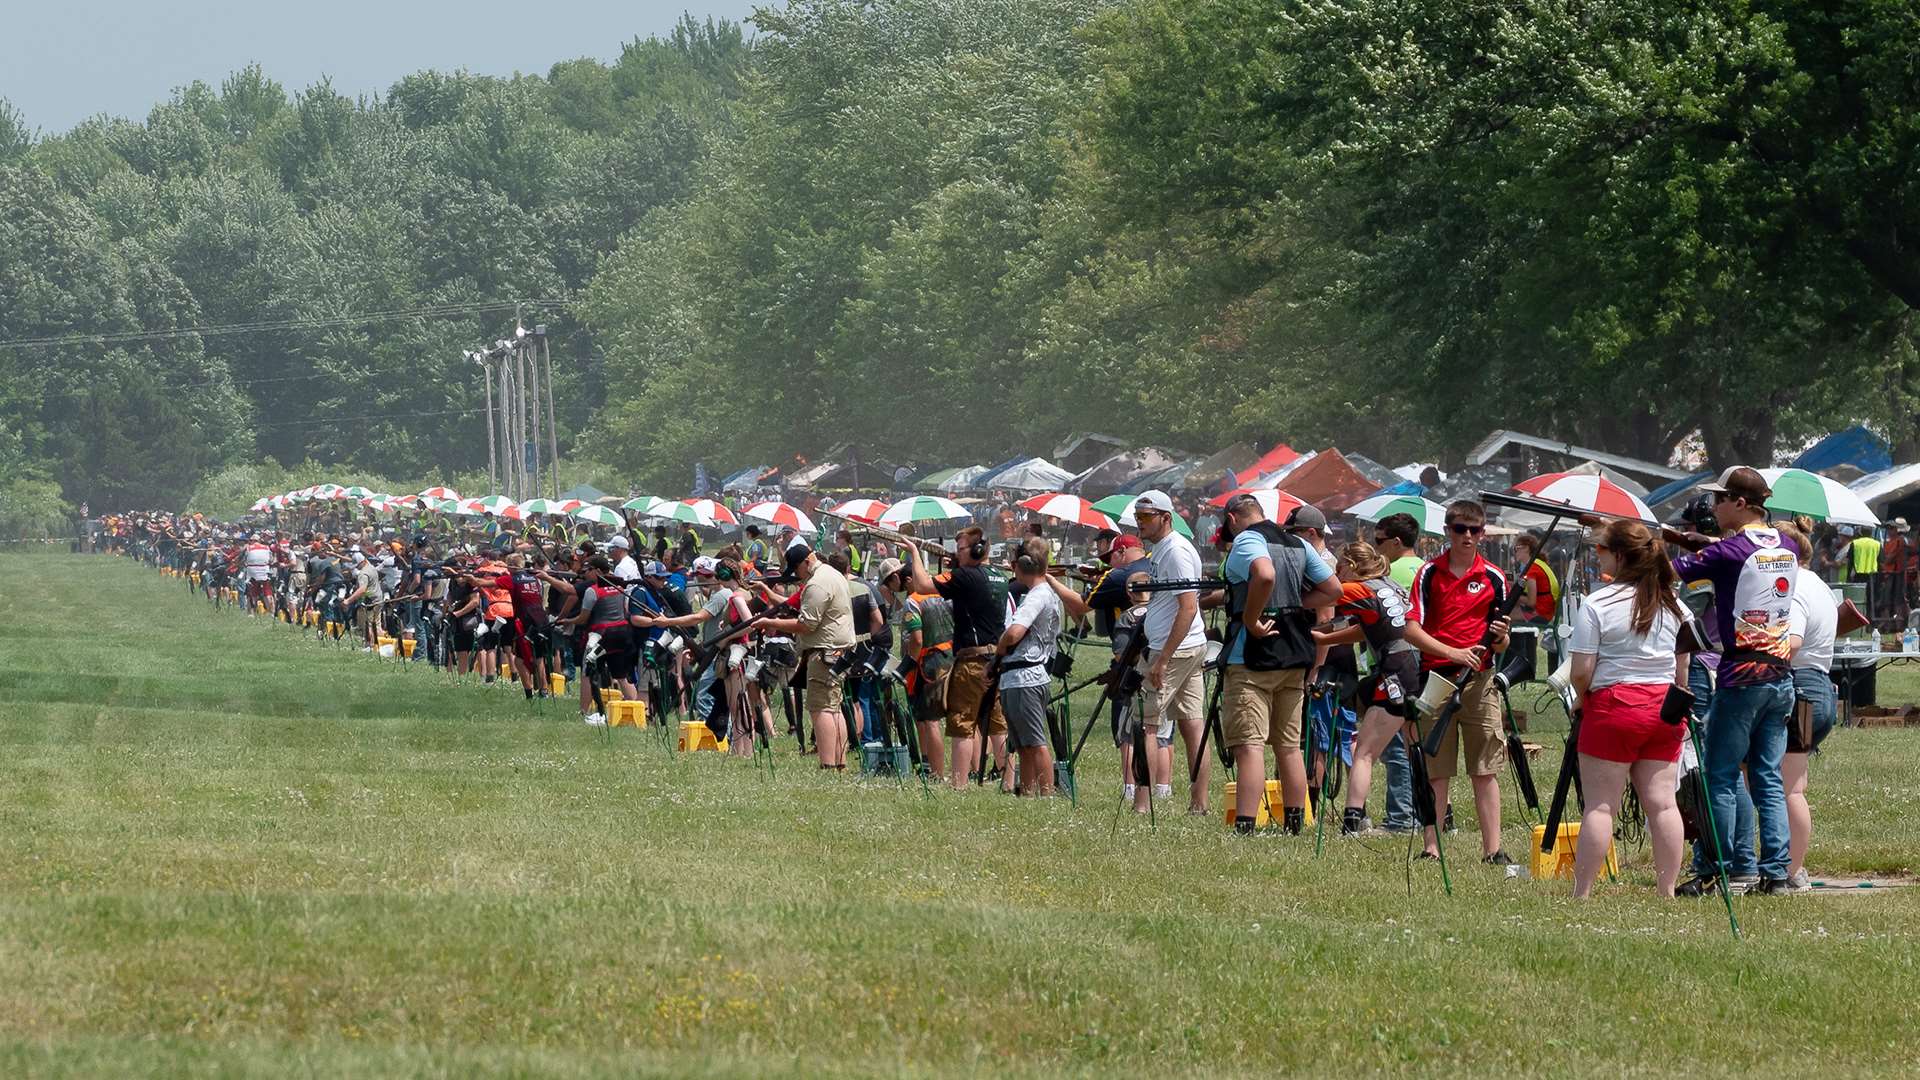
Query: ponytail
(1642, 563)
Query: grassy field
(226, 848)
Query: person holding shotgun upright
(1457, 599)
(824, 632)
(1753, 569)
(1625, 663)
(1273, 578)
(979, 618)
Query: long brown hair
(1365, 560)
(1642, 563)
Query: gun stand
(1529, 797)
(1424, 808)
(742, 709)
(1333, 767)
(1129, 712)
(893, 716)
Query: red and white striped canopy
(1071, 509)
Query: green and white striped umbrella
(1120, 509)
(599, 515)
(924, 508)
(642, 504)
(1431, 515)
(1797, 491)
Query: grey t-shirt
(1041, 614)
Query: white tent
(962, 480)
(1880, 488)
(1033, 474)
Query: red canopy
(1329, 482)
(1280, 455)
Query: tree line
(949, 230)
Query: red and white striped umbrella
(440, 493)
(867, 510)
(261, 504)
(1071, 509)
(502, 507)
(1586, 491)
(780, 513)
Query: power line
(430, 311)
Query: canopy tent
(1087, 449)
(750, 478)
(1378, 474)
(1111, 474)
(933, 480)
(1404, 487)
(1221, 470)
(584, 492)
(1329, 482)
(1279, 475)
(1677, 490)
(986, 479)
(1856, 447)
(813, 474)
(1181, 477)
(1281, 455)
(1888, 485)
(1594, 468)
(1469, 482)
(1034, 474)
(962, 479)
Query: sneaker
(1448, 827)
(1801, 881)
(596, 720)
(1772, 886)
(1499, 858)
(1698, 885)
(1358, 826)
(1742, 884)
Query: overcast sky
(70, 59)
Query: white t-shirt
(1173, 559)
(259, 562)
(1604, 628)
(626, 569)
(1815, 618)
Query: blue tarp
(1660, 495)
(1404, 487)
(1855, 446)
(985, 479)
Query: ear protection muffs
(978, 550)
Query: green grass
(226, 848)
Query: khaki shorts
(823, 686)
(966, 685)
(1259, 702)
(1479, 720)
(1182, 696)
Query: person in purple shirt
(1752, 569)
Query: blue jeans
(1399, 785)
(1815, 687)
(1741, 863)
(411, 618)
(1747, 726)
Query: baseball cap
(704, 566)
(1127, 540)
(1307, 516)
(654, 568)
(797, 554)
(890, 567)
(619, 542)
(1154, 499)
(1740, 481)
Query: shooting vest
(1291, 644)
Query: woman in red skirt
(1623, 665)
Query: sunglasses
(1462, 529)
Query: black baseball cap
(796, 555)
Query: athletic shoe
(596, 720)
(1499, 858)
(1772, 886)
(1360, 826)
(1698, 885)
(1742, 884)
(1801, 881)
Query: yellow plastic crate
(1558, 862)
(1270, 810)
(557, 683)
(631, 713)
(695, 736)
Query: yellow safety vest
(1866, 555)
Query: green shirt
(1403, 569)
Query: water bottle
(1910, 640)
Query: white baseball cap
(1154, 499)
(619, 542)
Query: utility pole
(487, 374)
(553, 429)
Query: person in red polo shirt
(1455, 599)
